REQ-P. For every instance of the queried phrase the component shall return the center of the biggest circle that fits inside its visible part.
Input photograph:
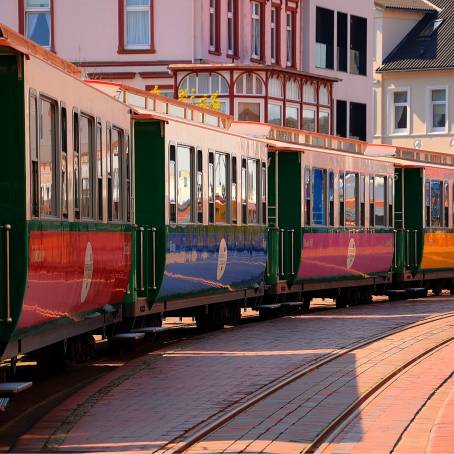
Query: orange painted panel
(438, 250)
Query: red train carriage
(66, 238)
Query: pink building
(187, 43)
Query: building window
(135, 26)
(293, 90)
(292, 114)
(249, 84)
(309, 120)
(38, 21)
(249, 111)
(342, 41)
(358, 121)
(400, 112)
(290, 39)
(275, 89)
(256, 41)
(324, 37)
(309, 93)
(438, 109)
(232, 27)
(275, 114)
(214, 26)
(323, 122)
(202, 84)
(275, 35)
(324, 98)
(358, 45)
(341, 118)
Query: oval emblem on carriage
(88, 272)
(222, 259)
(351, 253)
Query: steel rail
(338, 425)
(199, 432)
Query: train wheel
(437, 291)
(355, 297)
(342, 300)
(233, 314)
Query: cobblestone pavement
(151, 400)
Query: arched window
(200, 84)
(324, 96)
(293, 90)
(249, 84)
(275, 87)
(309, 93)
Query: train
(120, 207)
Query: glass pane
(47, 158)
(38, 4)
(85, 155)
(400, 97)
(292, 117)
(309, 93)
(324, 122)
(439, 115)
(319, 195)
(439, 95)
(309, 120)
(204, 84)
(137, 28)
(137, 2)
(184, 185)
(116, 156)
(400, 117)
(275, 114)
(436, 203)
(172, 182)
(324, 96)
(252, 191)
(351, 191)
(249, 111)
(380, 201)
(221, 188)
(38, 28)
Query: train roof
(17, 43)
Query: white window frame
(273, 45)
(251, 100)
(430, 104)
(327, 111)
(255, 22)
(281, 106)
(294, 106)
(137, 8)
(213, 23)
(231, 26)
(290, 35)
(392, 111)
(39, 10)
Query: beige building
(414, 75)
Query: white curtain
(38, 28)
(137, 28)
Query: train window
(129, 205)
(362, 200)
(33, 118)
(220, 172)
(99, 170)
(351, 198)
(446, 204)
(172, 185)
(211, 188)
(319, 196)
(371, 202)
(427, 202)
(341, 200)
(116, 156)
(252, 191)
(243, 192)
(307, 196)
(109, 171)
(199, 183)
(331, 197)
(263, 180)
(47, 158)
(380, 201)
(436, 198)
(86, 172)
(452, 206)
(184, 184)
(390, 201)
(234, 193)
(64, 162)
(76, 181)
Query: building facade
(415, 74)
(337, 41)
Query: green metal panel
(12, 187)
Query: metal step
(4, 401)
(9, 389)
(128, 337)
(150, 330)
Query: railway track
(200, 432)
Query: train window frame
(55, 156)
(307, 189)
(264, 192)
(76, 158)
(91, 167)
(436, 222)
(234, 191)
(349, 223)
(99, 177)
(445, 204)
(128, 189)
(244, 201)
(452, 205)
(120, 211)
(253, 163)
(341, 191)
(323, 187)
(181, 146)
(371, 201)
(331, 198)
(390, 200)
(427, 202)
(211, 187)
(362, 200)
(109, 189)
(34, 154)
(385, 189)
(199, 185)
(64, 189)
(217, 160)
(172, 183)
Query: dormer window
(430, 28)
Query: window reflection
(221, 187)
(252, 217)
(184, 207)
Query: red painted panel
(74, 272)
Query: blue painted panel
(210, 259)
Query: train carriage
(200, 209)
(66, 239)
